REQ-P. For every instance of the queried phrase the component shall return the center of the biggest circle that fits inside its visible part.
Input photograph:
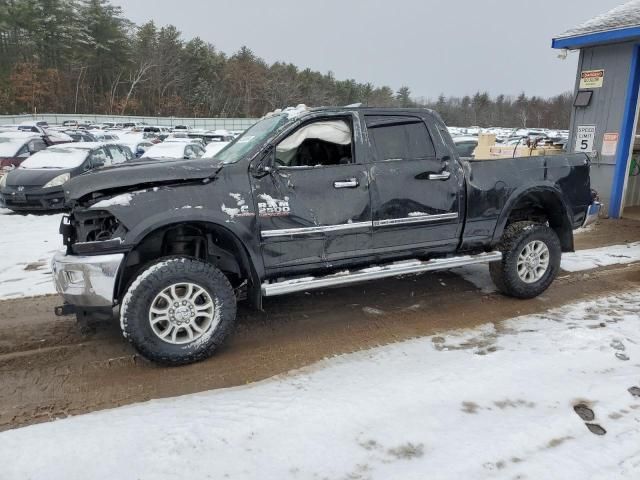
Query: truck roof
(396, 110)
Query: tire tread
(504, 273)
(134, 311)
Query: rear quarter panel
(494, 186)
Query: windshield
(9, 146)
(56, 157)
(251, 138)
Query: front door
(314, 206)
(415, 193)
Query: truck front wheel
(531, 256)
(178, 311)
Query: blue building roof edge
(590, 39)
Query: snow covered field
(28, 242)
(492, 402)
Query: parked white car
(213, 148)
(174, 151)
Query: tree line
(84, 56)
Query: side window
(389, 141)
(23, 152)
(398, 138)
(127, 152)
(189, 152)
(36, 146)
(418, 141)
(318, 144)
(116, 154)
(99, 158)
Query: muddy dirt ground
(49, 368)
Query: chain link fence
(206, 123)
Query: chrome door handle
(439, 176)
(346, 183)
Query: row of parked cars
(37, 160)
(466, 138)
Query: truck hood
(139, 174)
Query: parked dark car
(15, 147)
(306, 199)
(38, 183)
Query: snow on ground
(601, 257)
(491, 402)
(27, 243)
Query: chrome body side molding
(286, 232)
(415, 219)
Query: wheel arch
(542, 200)
(150, 245)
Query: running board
(374, 273)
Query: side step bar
(374, 273)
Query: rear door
(415, 192)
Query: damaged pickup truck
(306, 199)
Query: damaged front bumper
(86, 281)
(593, 211)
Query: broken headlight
(94, 231)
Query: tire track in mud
(49, 368)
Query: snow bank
(601, 257)
(27, 243)
(491, 402)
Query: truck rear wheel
(531, 256)
(178, 311)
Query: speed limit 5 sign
(585, 135)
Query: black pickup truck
(304, 199)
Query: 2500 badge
(273, 208)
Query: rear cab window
(399, 138)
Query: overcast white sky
(454, 47)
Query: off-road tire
(134, 314)
(516, 236)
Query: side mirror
(265, 166)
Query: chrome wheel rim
(182, 313)
(533, 261)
